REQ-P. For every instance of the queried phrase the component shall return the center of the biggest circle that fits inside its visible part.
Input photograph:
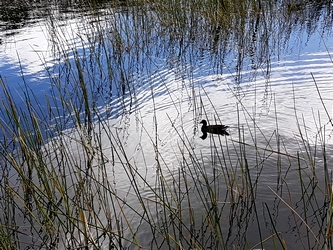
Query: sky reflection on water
(168, 96)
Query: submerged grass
(80, 187)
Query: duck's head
(204, 122)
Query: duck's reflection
(213, 129)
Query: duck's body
(213, 129)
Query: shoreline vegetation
(64, 162)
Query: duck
(213, 129)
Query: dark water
(276, 98)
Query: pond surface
(149, 95)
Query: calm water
(268, 99)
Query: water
(268, 97)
